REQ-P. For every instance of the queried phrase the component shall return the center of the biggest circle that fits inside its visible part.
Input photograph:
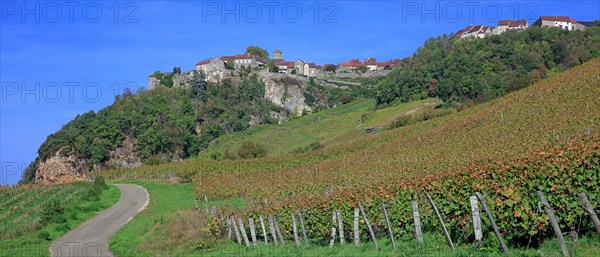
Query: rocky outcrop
(60, 169)
(286, 91)
(124, 156)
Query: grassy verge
(168, 225)
(77, 208)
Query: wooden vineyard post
(362, 211)
(295, 228)
(476, 220)
(206, 202)
(196, 205)
(587, 207)
(492, 221)
(389, 226)
(356, 231)
(264, 231)
(272, 227)
(437, 213)
(228, 227)
(303, 229)
(252, 230)
(554, 223)
(278, 231)
(243, 229)
(341, 227)
(332, 241)
(237, 232)
(418, 233)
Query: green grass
(333, 126)
(30, 242)
(149, 225)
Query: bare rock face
(124, 156)
(286, 91)
(61, 169)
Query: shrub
(312, 147)
(52, 210)
(402, 121)
(44, 235)
(251, 150)
(153, 160)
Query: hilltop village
(217, 68)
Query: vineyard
(33, 215)
(543, 138)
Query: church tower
(277, 55)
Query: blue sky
(60, 59)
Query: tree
(29, 173)
(329, 67)
(198, 86)
(229, 65)
(273, 67)
(176, 70)
(259, 52)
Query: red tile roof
(475, 29)
(371, 61)
(517, 23)
(352, 63)
(558, 18)
(462, 31)
(504, 22)
(228, 58)
(203, 62)
(284, 63)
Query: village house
(563, 22)
(478, 31)
(299, 66)
(371, 64)
(285, 67)
(310, 69)
(350, 66)
(504, 25)
(214, 69)
(244, 60)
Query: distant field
(330, 127)
(31, 217)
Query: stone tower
(277, 55)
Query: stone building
(299, 66)
(563, 22)
(504, 25)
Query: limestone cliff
(60, 169)
(286, 91)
